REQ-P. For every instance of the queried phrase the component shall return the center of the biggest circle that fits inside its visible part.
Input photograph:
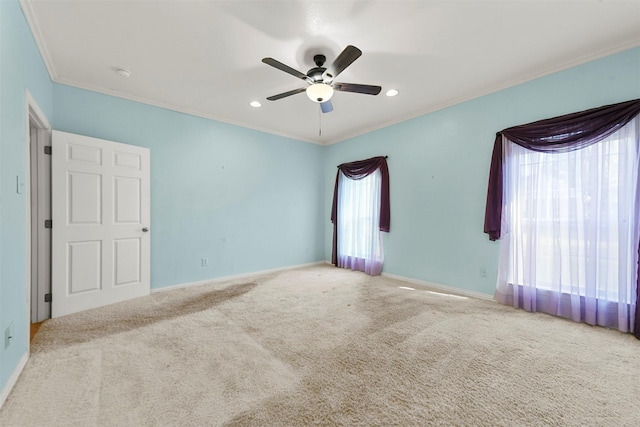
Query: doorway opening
(38, 192)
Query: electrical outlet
(8, 335)
(205, 262)
(483, 272)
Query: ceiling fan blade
(285, 94)
(346, 58)
(352, 87)
(326, 107)
(282, 67)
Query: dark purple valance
(559, 134)
(358, 170)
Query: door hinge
(48, 223)
(47, 149)
(47, 297)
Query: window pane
(571, 217)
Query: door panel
(127, 200)
(128, 261)
(85, 198)
(101, 198)
(81, 153)
(85, 260)
(127, 160)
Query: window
(359, 213)
(570, 229)
(358, 221)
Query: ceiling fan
(320, 80)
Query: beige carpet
(323, 346)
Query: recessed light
(255, 104)
(392, 92)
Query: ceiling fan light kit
(320, 79)
(319, 92)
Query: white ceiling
(204, 57)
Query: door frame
(34, 115)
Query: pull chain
(319, 120)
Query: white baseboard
(13, 378)
(238, 276)
(430, 285)
(444, 288)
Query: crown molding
(32, 19)
(511, 83)
(183, 110)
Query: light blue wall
(246, 200)
(439, 166)
(21, 68)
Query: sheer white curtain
(359, 236)
(570, 230)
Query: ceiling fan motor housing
(315, 74)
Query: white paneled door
(100, 212)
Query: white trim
(184, 110)
(33, 112)
(431, 285)
(502, 86)
(238, 276)
(444, 288)
(505, 85)
(13, 379)
(32, 19)
(38, 116)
